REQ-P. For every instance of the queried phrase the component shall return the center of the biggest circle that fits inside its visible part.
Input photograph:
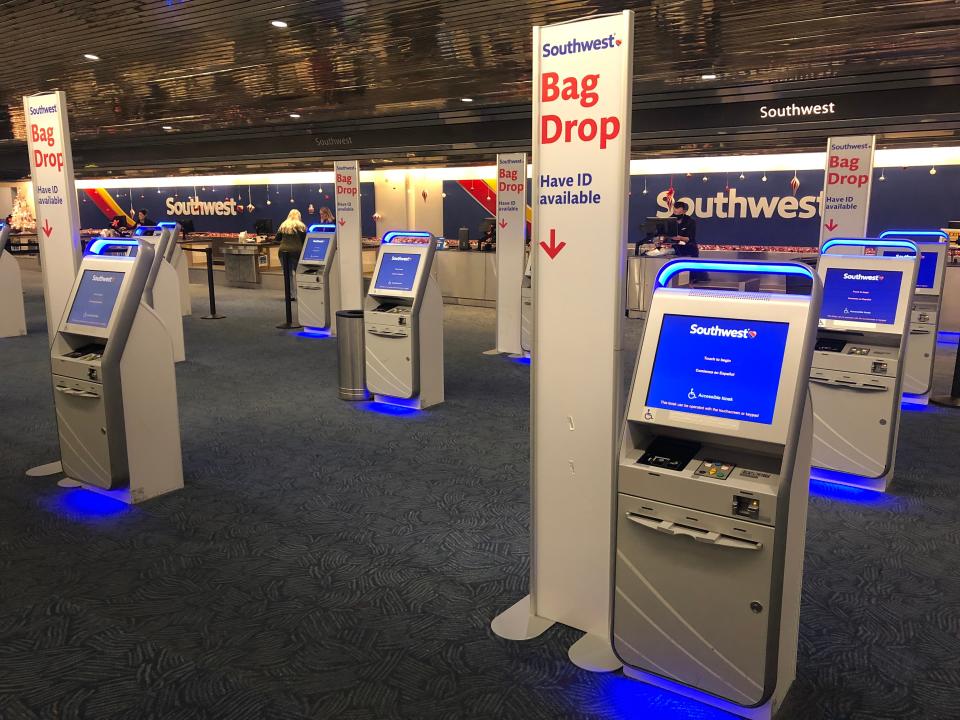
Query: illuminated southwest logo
(717, 331)
(861, 276)
(574, 46)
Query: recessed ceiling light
(466, 99)
(295, 115)
(708, 76)
(278, 23)
(166, 127)
(91, 56)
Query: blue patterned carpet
(328, 561)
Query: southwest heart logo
(752, 333)
(619, 42)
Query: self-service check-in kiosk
(925, 312)
(113, 377)
(526, 308)
(162, 292)
(712, 490)
(858, 366)
(318, 279)
(13, 320)
(178, 261)
(403, 316)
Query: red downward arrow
(554, 248)
(502, 224)
(46, 227)
(342, 221)
(831, 226)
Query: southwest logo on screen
(103, 278)
(571, 47)
(861, 276)
(717, 331)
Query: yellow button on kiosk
(113, 378)
(712, 490)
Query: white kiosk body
(318, 279)
(925, 312)
(403, 318)
(13, 319)
(162, 292)
(114, 380)
(526, 308)
(712, 491)
(859, 363)
(178, 261)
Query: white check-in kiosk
(403, 317)
(162, 292)
(857, 374)
(178, 261)
(925, 312)
(113, 378)
(526, 308)
(712, 490)
(13, 319)
(318, 279)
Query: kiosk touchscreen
(13, 319)
(403, 315)
(526, 307)
(178, 261)
(318, 279)
(858, 366)
(162, 292)
(925, 312)
(712, 490)
(113, 378)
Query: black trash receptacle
(351, 355)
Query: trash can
(351, 355)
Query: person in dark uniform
(488, 241)
(685, 241)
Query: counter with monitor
(180, 263)
(13, 320)
(925, 314)
(162, 292)
(318, 279)
(858, 367)
(403, 317)
(113, 378)
(712, 490)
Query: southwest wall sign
(796, 110)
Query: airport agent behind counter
(685, 241)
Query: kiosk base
(46, 470)
(763, 712)
(879, 484)
(415, 403)
(69, 483)
(518, 623)
(921, 400)
(594, 654)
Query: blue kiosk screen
(398, 270)
(861, 295)
(718, 366)
(926, 273)
(316, 249)
(96, 296)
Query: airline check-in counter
(403, 318)
(13, 320)
(467, 277)
(318, 279)
(113, 378)
(712, 490)
(162, 292)
(858, 368)
(925, 312)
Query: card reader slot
(707, 537)
(74, 392)
(919, 331)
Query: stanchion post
(953, 399)
(287, 299)
(211, 293)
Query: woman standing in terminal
(291, 235)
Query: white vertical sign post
(511, 231)
(847, 179)
(349, 236)
(583, 75)
(55, 198)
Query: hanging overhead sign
(848, 177)
(55, 198)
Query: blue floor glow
(521, 360)
(384, 408)
(309, 332)
(847, 493)
(623, 698)
(84, 504)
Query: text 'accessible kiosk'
(712, 490)
(859, 363)
(113, 378)
(403, 316)
(318, 279)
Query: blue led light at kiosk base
(96, 297)
(861, 296)
(719, 367)
(316, 249)
(927, 272)
(398, 270)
